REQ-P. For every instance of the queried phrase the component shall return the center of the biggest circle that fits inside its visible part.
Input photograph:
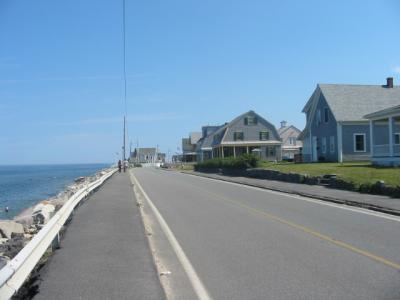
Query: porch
(385, 140)
(270, 152)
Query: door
(314, 149)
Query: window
(326, 115)
(359, 142)
(250, 120)
(332, 144)
(264, 135)
(292, 140)
(397, 138)
(324, 145)
(318, 116)
(238, 136)
(270, 151)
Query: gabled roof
(282, 130)
(352, 102)
(222, 131)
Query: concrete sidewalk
(104, 253)
(374, 202)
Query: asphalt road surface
(248, 243)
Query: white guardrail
(14, 274)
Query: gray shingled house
(247, 133)
(336, 129)
(189, 147)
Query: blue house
(336, 129)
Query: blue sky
(189, 63)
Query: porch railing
(381, 150)
(384, 150)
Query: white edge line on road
(303, 198)
(194, 279)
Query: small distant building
(189, 147)
(144, 155)
(384, 126)
(161, 157)
(290, 143)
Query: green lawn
(357, 172)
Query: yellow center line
(306, 230)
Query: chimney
(283, 124)
(389, 82)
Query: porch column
(234, 151)
(222, 152)
(371, 137)
(247, 149)
(390, 136)
(339, 142)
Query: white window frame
(394, 140)
(354, 142)
(332, 144)
(323, 142)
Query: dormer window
(326, 115)
(264, 135)
(216, 138)
(238, 136)
(250, 120)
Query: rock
(8, 228)
(28, 236)
(79, 180)
(26, 220)
(42, 213)
(12, 246)
(32, 230)
(3, 261)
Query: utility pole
(123, 147)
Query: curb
(323, 198)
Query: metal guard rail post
(14, 274)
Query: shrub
(241, 162)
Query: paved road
(247, 243)
(105, 253)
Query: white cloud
(396, 69)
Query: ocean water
(24, 186)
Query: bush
(244, 161)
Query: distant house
(336, 129)
(290, 143)
(385, 136)
(144, 155)
(204, 145)
(189, 147)
(247, 133)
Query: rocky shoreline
(16, 233)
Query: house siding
(348, 146)
(324, 130)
